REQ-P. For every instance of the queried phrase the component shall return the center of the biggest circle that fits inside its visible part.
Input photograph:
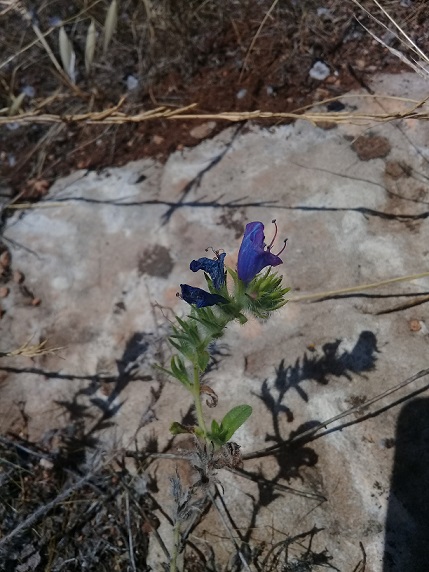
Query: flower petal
(252, 256)
(200, 297)
(215, 268)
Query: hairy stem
(197, 401)
(176, 540)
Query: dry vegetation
(226, 59)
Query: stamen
(215, 252)
(269, 247)
(284, 246)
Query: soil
(216, 70)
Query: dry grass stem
(23, 206)
(113, 116)
(90, 46)
(419, 65)
(110, 24)
(315, 432)
(359, 288)
(28, 350)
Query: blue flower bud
(200, 297)
(254, 255)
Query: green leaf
(177, 428)
(215, 427)
(179, 370)
(203, 358)
(233, 420)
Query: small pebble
(319, 71)
(4, 292)
(55, 21)
(36, 301)
(46, 464)
(132, 82)
(242, 93)
(12, 126)
(415, 326)
(324, 13)
(29, 91)
(202, 131)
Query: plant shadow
(331, 362)
(295, 456)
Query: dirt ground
(244, 56)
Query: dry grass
(112, 116)
(164, 30)
(32, 350)
(116, 64)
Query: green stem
(176, 540)
(196, 390)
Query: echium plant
(248, 291)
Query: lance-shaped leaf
(233, 420)
(68, 55)
(178, 370)
(91, 38)
(110, 24)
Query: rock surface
(105, 254)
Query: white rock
(319, 71)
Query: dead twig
(310, 435)
(359, 288)
(42, 511)
(27, 350)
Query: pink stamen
(284, 246)
(269, 247)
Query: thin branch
(130, 534)
(359, 288)
(229, 532)
(39, 513)
(309, 435)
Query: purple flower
(254, 255)
(200, 297)
(215, 268)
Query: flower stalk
(198, 405)
(251, 292)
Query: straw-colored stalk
(419, 61)
(110, 24)
(113, 116)
(90, 46)
(15, 106)
(28, 350)
(68, 55)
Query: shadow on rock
(407, 523)
(80, 434)
(318, 368)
